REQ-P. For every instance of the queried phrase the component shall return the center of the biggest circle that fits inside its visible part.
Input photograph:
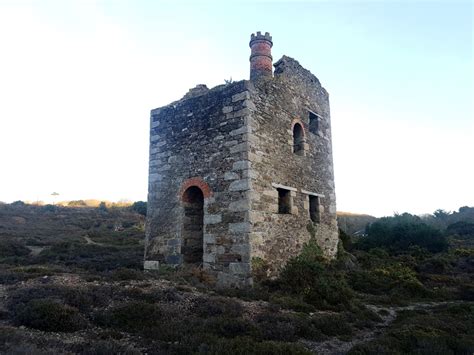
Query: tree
(102, 207)
(140, 207)
(401, 232)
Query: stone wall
(280, 103)
(200, 141)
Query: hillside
(71, 282)
(353, 223)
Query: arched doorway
(193, 221)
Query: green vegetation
(445, 330)
(311, 277)
(401, 232)
(49, 315)
(76, 271)
(140, 207)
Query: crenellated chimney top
(261, 55)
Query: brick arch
(195, 181)
(298, 121)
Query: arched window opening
(298, 139)
(193, 221)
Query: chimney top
(261, 55)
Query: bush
(50, 315)
(392, 279)
(309, 276)
(49, 208)
(12, 247)
(77, 203)
(135, 316)
(248, 346)
(123, 274)
(274, 326)
(447, 331)
(293, 302)
(462, 228)
(104, 347)
(332, 324)
(345, 239)
(228, 327)
(435, 265)
(215, 306)
(102, 207)
(83, 299)
(140, 207)
(400, 232)
(92, 256)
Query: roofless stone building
(242, 174)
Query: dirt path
(35, 250)
(90, 241)
(335, 346)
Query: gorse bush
(310, 276)
(77, 203)
(400, 232)
(393, 279)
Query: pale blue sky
(78, 78)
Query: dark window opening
(313, 123)
(193, 221)
(298, 139)
(284, 201)
(314, 212)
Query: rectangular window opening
(314, 211)
(313, 123)
(284, 201)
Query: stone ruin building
(242, 174)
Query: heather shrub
(123, 274)
(214, 306)
(135, 316)
(49, 315)
(229, 327)
(248, 346)
(92, 256)
(448, 330)
(12, 247)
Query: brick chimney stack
(261, 55)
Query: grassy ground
(71, 282)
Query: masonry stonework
(242, 173)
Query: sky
(78, 79)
